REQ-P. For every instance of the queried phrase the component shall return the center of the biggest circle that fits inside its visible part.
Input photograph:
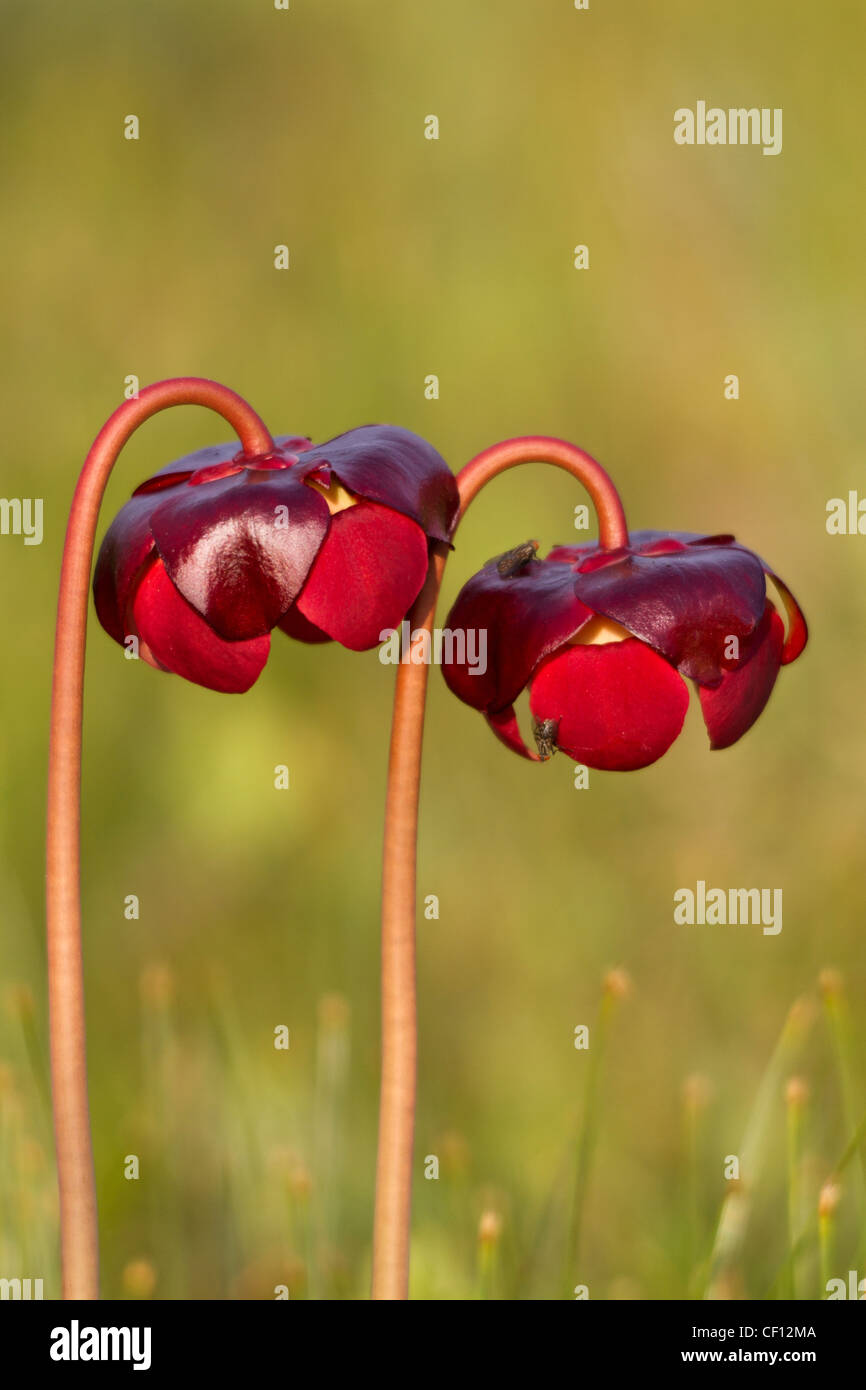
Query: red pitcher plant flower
(604, 638)
(341, 541)
(325, 541)
(603, 634)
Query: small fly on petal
(545, 731)
(514, 560)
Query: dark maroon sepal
(239, 549)
(524, 615)
(685, 604)
(393, 466)
(125, 551)
(506, 728)
(732, 707)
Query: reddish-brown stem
(78, 1220)
(612, 528)
(399, 1023)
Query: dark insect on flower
(544, 732)
(327, 542)
(603, 639)
(515, 560)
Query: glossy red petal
(686, 604)
(125, 550)
(179, 640)
(294, 624)
(366, 576)
(396, 468)
(798, 632)
(523, 616)
(507, 730)
(732, 707)
(239, 549)
(618, 707)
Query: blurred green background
(411, 257)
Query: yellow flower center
(598, 632)
(336, 496)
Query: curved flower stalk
(399, 1022)
(602, 634)
(326, 542)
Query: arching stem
(78, 1217)
(399, 1020)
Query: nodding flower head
(603, 639)
(327, 541)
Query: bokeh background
(411, 257)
